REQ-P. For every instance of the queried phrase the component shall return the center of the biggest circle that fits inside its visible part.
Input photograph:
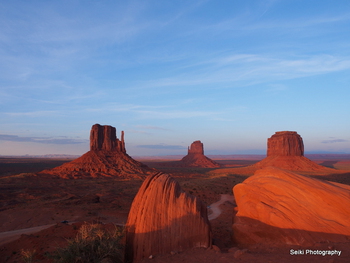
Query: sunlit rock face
(285, 143)
(107, 158)
(163, 218)
(196, 157)
(285, 149)
(281, 207)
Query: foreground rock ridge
(196, 157)
(107, 158)
(163, 218)
(277, 207)
(285, 149)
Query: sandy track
(215, 207)
(6, 237)
(9, 236)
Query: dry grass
(92, 244)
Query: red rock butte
(196, 157)
(107, 158)
(277, 207)
(285, 149)
(163, 218)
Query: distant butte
(196, 157)
(285, 149)
(107, 158)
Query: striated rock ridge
(196, 157)
(281, 207)
(163, 218)
(107, 158)
(285, 149)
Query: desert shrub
(92, 244)
(28, 255)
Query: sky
(167, 73)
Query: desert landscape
(285, 207)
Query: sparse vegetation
(28, 255)
(92, 245)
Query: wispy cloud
(334, 141)
(44, 140)
(162, 147)
(149, 127)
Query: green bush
(92, 245)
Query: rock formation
(163, 218)
(196, 157)
(281, 207)
(285, 143)
(107, 158)
(285, 149)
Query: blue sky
(228, 73)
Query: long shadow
(248, 231)
(181, 234)
(329, 164)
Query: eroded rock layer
(163, 218)
(196, 157)
(281, 207)
(107, 158)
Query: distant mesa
(277, 207)
(163, 218)
(107, 158)
(196, 157)
(285, 149)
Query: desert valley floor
(33, 208)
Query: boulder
(163, 218)
(196, 158)
(277, 207)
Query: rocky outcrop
(104, 138)
(196, 157)
(285, 149)
(281, 207)
(107, 158)
(163, 218)
(285, 143)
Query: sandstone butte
(277, 207)
(196, 157)
(107, 158)
(163, 218)
(285, 149)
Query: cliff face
(163, 218)
(285, 143)
(196, 157)
(280, 207)
(104, 138)
(107, 158)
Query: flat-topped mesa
(164, 218)
(196, 148)
(103, 137)
(285, 143)
(285, 149)
(196, 157)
